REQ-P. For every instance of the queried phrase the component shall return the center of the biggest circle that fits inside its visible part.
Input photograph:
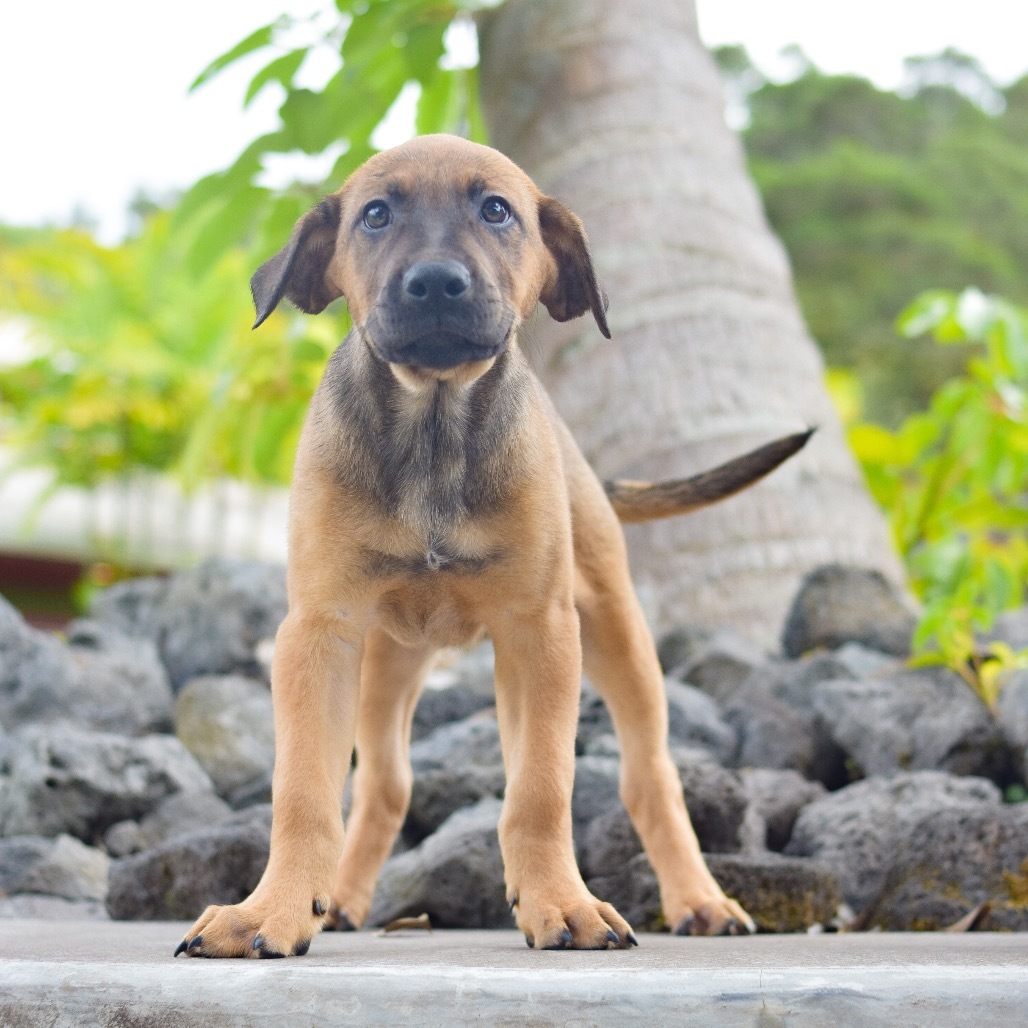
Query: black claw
(530, 941)
(612, 937)
(632, 939)
(513, 903)
(270, 954)
(685, 926)
(732, 927)
(301, 948)
(565, 940)
(198, 941)
(319, 910)
(344, 924)
(258, 941)
(182, 947)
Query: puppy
(438, 497)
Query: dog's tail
(646, 501)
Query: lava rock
(177, 814)
(58, 779)
(177, 880)
(208, 620)
(1012, 715)
(61, 867)
(774, 800)
(721, 665)
(36, 671)
(919, 720)
(226, 722)
(856, 830)
(837, 604)
(694, 720)
(438, 794)
(952, 860)
(455, 876)
(121, 685)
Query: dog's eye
(495, 211)
(377, 214)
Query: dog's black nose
(435, 282)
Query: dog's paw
(582, 923)
(719, 916)
(250, 929)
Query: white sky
(93, 100)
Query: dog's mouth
(438, 351)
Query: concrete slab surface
(110, 974)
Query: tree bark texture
(616, 108)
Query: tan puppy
(437, 496)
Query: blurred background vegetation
(140, 359)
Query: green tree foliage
(377, 48)
(141, 365)
(955, 481)
(143, 357)
(879, 196)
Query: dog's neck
(433, 457)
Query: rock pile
(135, 767)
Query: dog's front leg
(315, 685)
(538, 662)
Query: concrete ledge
(122, 974)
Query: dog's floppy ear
(575, 289)
(297, 271)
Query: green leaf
(925, 313)
(255, 41)
(281, 70)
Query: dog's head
(442, 249)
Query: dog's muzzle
(438, 318)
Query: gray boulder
(121, 685)
(918, 720)
(438, 707)
(952, 860)
(721, 664)
(856, 830)
(596, 790)
(61, 867)
(780, 894)
(205, 621)
(1012, 715)
(177, 814)
(607, 841)
(693, 720)
(777, 725)
(771, 733)
(455, 876)
(473, 741)
(226, 722)
(837, 604)
(60, 778)
(681, 645)
(177, 880)
(101, 679)
(36, 671)
(715, 799)
(774, 800)
(438, 794)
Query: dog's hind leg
(391, 680)
(619, 658)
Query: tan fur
(433, 502)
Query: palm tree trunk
(616, 108)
